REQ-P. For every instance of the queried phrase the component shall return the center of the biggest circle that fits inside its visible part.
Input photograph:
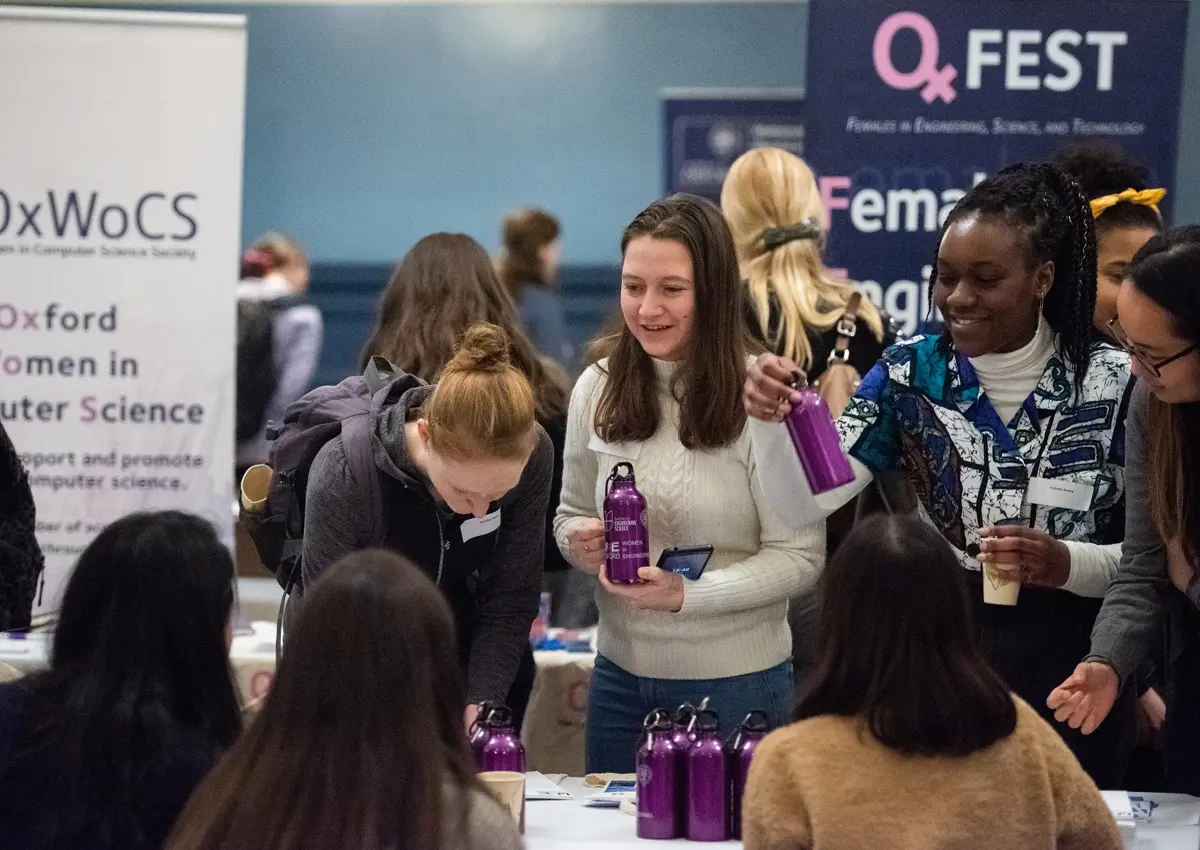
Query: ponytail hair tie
(809, 228)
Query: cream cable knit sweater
(734, 619)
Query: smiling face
(987, 285)
(1115, 247)
(1149, 332)
(658, 296)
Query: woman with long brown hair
(1158, 322)
(665, 397)
(359, 742)
(528, 269)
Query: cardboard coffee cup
(256, 483)
(1000, 587)
(508, 788)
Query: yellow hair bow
(1146, 198)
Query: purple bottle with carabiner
(626, 537)
(816, 441)
(659, 765)
(740, 751)
(481, 731)
(707, 782)
(503, 749)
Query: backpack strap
(358, 443)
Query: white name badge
(479, 526)
(629, 451)
(1059, 493)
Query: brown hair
(445, 284)
(270, 252)
(1167, 271)
(898, 647)
(709, 383)
(525, 233)
(361, 732)
(482, 406)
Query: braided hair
(1051, 208)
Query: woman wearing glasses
(1009, 426)
(1159, 324)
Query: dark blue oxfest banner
(706, 131)
(909, 104)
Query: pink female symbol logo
(936, 81)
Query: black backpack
(256, 378)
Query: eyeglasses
(1154, 367)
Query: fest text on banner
(120, 200)
(909, 105)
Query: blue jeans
(619, 702)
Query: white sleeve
(1093, 567)
(779, 474)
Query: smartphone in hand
(687, 561)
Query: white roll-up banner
(120, 202)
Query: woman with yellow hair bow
(1126, 213)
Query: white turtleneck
(1009, 379)
(734, 619)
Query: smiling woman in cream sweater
(667, 399)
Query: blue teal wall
(370, 126)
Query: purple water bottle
(626, 538)
(685, 732)
(481, 731)
(659, 765)
(503, 749)
(707, 782)
(740, 751)
(816, 440)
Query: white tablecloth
(252, 656)
(555, 824)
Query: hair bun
(483, 348)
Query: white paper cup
(999, 587)
(508, 787)
(256, 483)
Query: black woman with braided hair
(1009, 425)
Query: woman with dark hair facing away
(359, 742)
(464, 472)
(102, 750)
(21, 561)
(665, 397)
(528, 269)
(908, 739)
(445, 284)
(1009, 425)
(1125, 208)
(1158, 321)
